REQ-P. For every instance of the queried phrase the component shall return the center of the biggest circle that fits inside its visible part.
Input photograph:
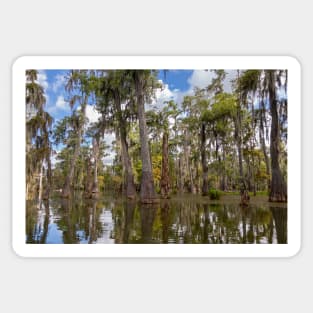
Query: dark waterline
(190, 220)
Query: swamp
(156, 156)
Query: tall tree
(269, 82)
(38, 147)
(195, 108)
(77, 86)
(238, 135)
(278, 187)
(159, 118)
(143, 81)
(116, 89)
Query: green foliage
(208, 133)
(215, 194)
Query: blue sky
(176, 79)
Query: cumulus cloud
(202, 78)
(165, 94)
(59, 81)
(43, 80)
(61, 104)
(92, 114)
(162, 95)
(198, 79)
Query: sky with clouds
(176, 85)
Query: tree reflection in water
(171, 221)
(280, 220)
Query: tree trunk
(188, 171)
(95, 149)
(69, 179)
(223, 180)
(180, 175)
(147, 191)
(205, 182)
(239, 149)
(128, 171)
(27, 191)
(243, 188)
(192, 183)
(262, 141)
(278, 192)
(165, 179)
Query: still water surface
(179, 220)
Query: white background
(172, 27)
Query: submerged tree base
(150, 201)
(278, 198)
(244, 198)
(165, 197)
(131, 197)
(91, 195)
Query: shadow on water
(179, 220)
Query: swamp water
(189, 220)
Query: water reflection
(171, 221)
(280, 220)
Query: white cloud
(92, 114)
(202, 78)
(61, 104)
(198, 78)
(43, 80)
(162, 95)
(165, 94)
(59, 81)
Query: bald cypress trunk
(165, 179)
(278, 192)
(88, 180)
(95, 150)
(205, 182)
(129, 182)
(244, 196)
(66, 191)
(262, 141)
(68, 185)
(147, 191)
